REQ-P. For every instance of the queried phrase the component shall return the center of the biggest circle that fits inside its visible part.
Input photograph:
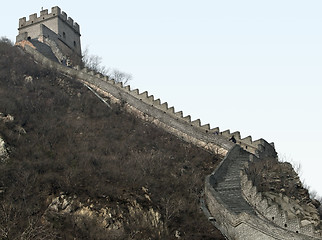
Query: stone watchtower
(55, 28)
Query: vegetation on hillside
(271, 175)
(64, 141)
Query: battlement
(44, 16)
(273, 211)
(256, 147)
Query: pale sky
(248, 66)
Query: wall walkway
(232, 214)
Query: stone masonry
(224, 198)
(56, 26)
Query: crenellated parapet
(273, 210)
(256, 147)
(44, 16)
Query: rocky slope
(279, 183)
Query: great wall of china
(235, 215)
(232, 203)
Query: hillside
(80, 170)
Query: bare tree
(172, 207)
(6, 40)
(7, 212)
(313, 194)
(10, 219)
(36, 231)
(94, 62)
(119, 76)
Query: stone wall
(247, 226)
(235, 226)
(274, 212)
(153, 108)
(53, 45)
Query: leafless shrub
(13, 227)
(172, 205)
(36, 231)
(7, 213)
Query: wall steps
(45, 50)
(233, 200)
(229, 187)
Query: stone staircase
(44, 50)
(228, 185)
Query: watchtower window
(64, 34)
(74, 44)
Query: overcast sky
(248, 66)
